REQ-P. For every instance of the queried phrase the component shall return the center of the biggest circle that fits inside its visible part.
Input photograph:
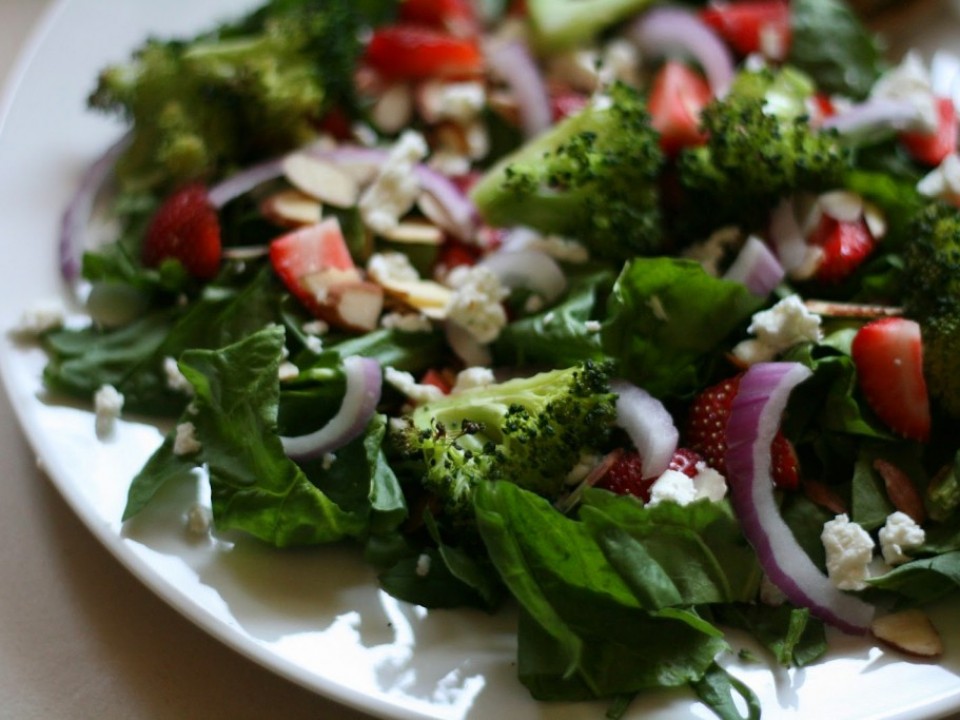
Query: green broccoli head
(528, 431)
(592, 177)
(760, 149)
(932, 297)
(253, 88)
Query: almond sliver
(321, 180)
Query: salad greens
(545, 423)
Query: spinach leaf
(924, 580)
(666, 322)
(791, 634)
(829, 43)
(718, 688)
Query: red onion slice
(244, 181)
(787, 237)
(511, 62)
(754, 420)
(530, 269)
(465, 346)
(664, 30)
(649, 425)
(364, 384)
(874, 115)
(79, 211)
(756, 267)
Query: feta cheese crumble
(476, 302)
(910, 82)
(396, 187)
(849, 551)
(411, 389)
(185, 441)
(175, 379)
(786, 324)
(48, 314)
(108, 404)
(471, 378)
(898, 534)
(423, 565)
(943, 181)
(673, 486)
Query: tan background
(79, 636)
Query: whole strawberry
(706, 433)
(185, 228)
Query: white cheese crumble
(709, 483)
(900, 533)
(199, 519)
(328, 460)
(411, 389)
(108, 404)
(786, 324)
(592, 326)
(396, 187)
(943, 181)
(314, 344)
(849, 551)
(406, 322)
(391, 267)
(476, 302)
(185, 441)
(175, 379)
(423, 565)
(48, 314)
(460, 102)
(315, 327)
(558, 247)
(673, 486)
(910, 82)
(287, 371)
(472, 378)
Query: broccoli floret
(528, 431)
(559, 24)
(932, 297)
(760, 149)
(249, 89)
(592, 177)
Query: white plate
(312, 616)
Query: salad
(637, 318)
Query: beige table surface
(79, 636)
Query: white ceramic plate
(316, 616)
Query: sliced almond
(875, 219)
(909, 631)
(355, 306)
(318, 284)
(901, 490)
(393, 110)
(321, 180)
(415, 233)
(292, 208)
(832, 308)
(842, 205)
(824, 496)
(429, 297)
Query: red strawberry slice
(677, 98)
(413, 52)
(932, 148)
(185, 228)
(457, 17)
(845, 245)
(751, 26)
(888, 355)
(625, 475)
(310, 259)
(706, 433)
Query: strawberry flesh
(706, 433)
(845, 245)
(185, 228)
(888, 355)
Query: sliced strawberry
(751, 26)
(685, 460)
(931, 148)
(185, 228)
(845, 245)
(625, 477)
(437, 380)
(457, 17)
(303, 257)
(706, 433)
(413, 52)
(454, 253)
(677, 98)
(888, 355)
(564, 103)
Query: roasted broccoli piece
(248, 89)
(528, 431)
(561, 24)
(760, 149)
(592, 177)
(932, 297)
